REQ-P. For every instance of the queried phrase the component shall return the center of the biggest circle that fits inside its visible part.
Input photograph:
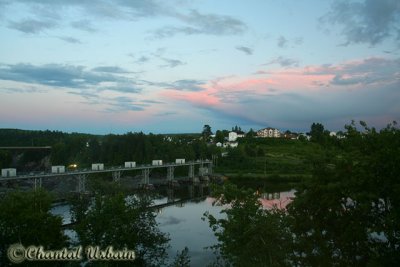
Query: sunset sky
(172, 66)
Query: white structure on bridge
(157, 162)
(10, 172)
(205, 168)
(97, 166)
(130, 164)
(57, 169)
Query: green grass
(283, 160)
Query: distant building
(230, 144)
(219, 144)
(232, 136)
(268, 132)
(304, 135)
(289, 135)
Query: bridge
(116, 172)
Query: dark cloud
(123, 89)
(83, 25)
(122, 103)
(172, 63)
(284, 62)
(111, 69)
(31, 26)
(162, 114)
(152, 101)
(69, 39)
(368, 21)
(245, 49)
(194, 21)
(180, 85)
(260, 72)
(69, 76)
(28, 90)
(142, 59)
(85, 94)
(198, 23)
(188, 85)
(366, 72)
(282, 42)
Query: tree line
(84, 149)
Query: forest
(112, 150)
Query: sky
(113, 66)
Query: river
(183, 220)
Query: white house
(219, 144)
(232, 136)
(230, 144)
(269, 132)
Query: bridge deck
(111, 169)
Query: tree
(182, 259)
(25, 218)
(206, 133)
(251, 133)
(249, 235)
(121, 221)
(346, 214)
(219, 136)
(317, 133)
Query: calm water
(183, 221)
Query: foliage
(112, 150)
(251, 133)
(182, 259)
(5, 159)
(206, 133)
(347, 213)
(121, 221)
(25, 218)
(250, 235)
(219, 137)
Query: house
(268, 132)
(219, 144)
(232, 136)
(230, 144)
(304, 135)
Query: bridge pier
(170, 194)
(170, 174)
(191, 191)
(82, 183)
(210, 168)
(37, 183)
(116, 176)
(201, 189)
(146, 176)
(191, 172)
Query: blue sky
(173, 66)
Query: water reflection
(180, 212)
(277, 199)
